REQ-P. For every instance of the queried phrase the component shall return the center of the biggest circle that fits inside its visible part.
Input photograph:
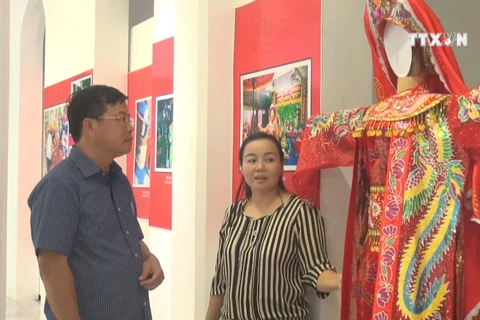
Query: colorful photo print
(81, 83)
(55, 138)
(141, 169)
(277, 101)
(164, 134)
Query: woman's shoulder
(290, 198)
(298, 205)
(235, 207)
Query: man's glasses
(123, 120)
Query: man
(89, 245)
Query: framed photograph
(56, 135)
(277, 101)
(164, 133)
(141, 156)
(80, 84)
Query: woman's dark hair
(244, 188)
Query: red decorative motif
(391, 222)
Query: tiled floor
(24, 310)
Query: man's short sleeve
(55, 213)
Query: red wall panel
(268, 34)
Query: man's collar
(87, 167)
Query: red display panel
(140, 105)
(276, 74)
(161, 163)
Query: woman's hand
(329, 281)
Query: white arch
(4, 96)
(25, 86)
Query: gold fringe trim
(373, 235)
(431, 115)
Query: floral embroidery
(398, 169)
(343, 123)
(382, 297)
(376, 209)
(390, 232)
(389, 256)
(381, 316)
(469, 108)
(392, 210)
(398, 144)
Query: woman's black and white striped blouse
(265, 265)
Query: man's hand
(152, 273)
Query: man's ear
(87, 125)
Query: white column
(27, 277)
(203, 84)
(4, 84)
(18, 19)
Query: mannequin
(405, 61)
(414, 77)
(412, 237)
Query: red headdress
(415, 16)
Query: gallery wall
(70, 54)
(30, 100)
(210, 100)
(150, 79)
(57, 141)
(150, 92)
(203, 83)
(277, 71)
(204, 189)
(347, 82)
(4, 94)
(23, 37)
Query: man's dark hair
(92, 103)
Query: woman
(272, 245)
(273, 126)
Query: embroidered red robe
(412, 247)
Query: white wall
(4, 96)
(347, 79)
(221, 25)
(462, 16)
(70, 40)
(203, 82)
(71, 49)
(16, 226)
(110, 44)
(189, 175)
(30, 120)
(161, 239)
(141, 45)
(158, 240)
(164, 20)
